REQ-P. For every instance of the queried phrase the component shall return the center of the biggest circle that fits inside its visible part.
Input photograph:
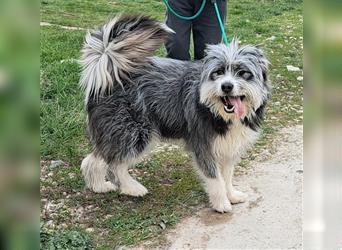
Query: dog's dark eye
(220, 72)
(245, 74)
(217, 73)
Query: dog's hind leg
(125, 181)
(121, 134)
(94, 171)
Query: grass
(122, 220)
(109, 220)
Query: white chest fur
(235, 143)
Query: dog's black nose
(227, 87)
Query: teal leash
(185, 17)
(225, 38)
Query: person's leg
(206, 29)
(179, 43)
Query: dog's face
(234, 80)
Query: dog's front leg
(213, 181)
(234, 195)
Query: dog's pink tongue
(239, 108)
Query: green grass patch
(174, 192)
(69, 239)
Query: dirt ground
(272, 216)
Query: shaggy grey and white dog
(133, 99)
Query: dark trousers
(205, 28)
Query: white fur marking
(216, 190)
(128, 185)
(94, 172)
(234, 195)
(235, 143)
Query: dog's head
(234, 80)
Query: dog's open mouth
(233, 104)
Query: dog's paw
(237, 197)
(133, 188)
(221, 205)
(104, 187)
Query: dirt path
(272, 216)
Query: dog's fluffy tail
(118, 48)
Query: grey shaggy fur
(132, 98)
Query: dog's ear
(256, 53)
(214, 51)
(263, 62)
(215, 55)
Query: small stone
(89, 230)
(300, 78)
(90, 207)
(70, 60)
(108, 216)
(292, 68)
(272, 38)
(162, 225)
(79, 210)
(57, 163)
(63, 225)
(50, 224)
